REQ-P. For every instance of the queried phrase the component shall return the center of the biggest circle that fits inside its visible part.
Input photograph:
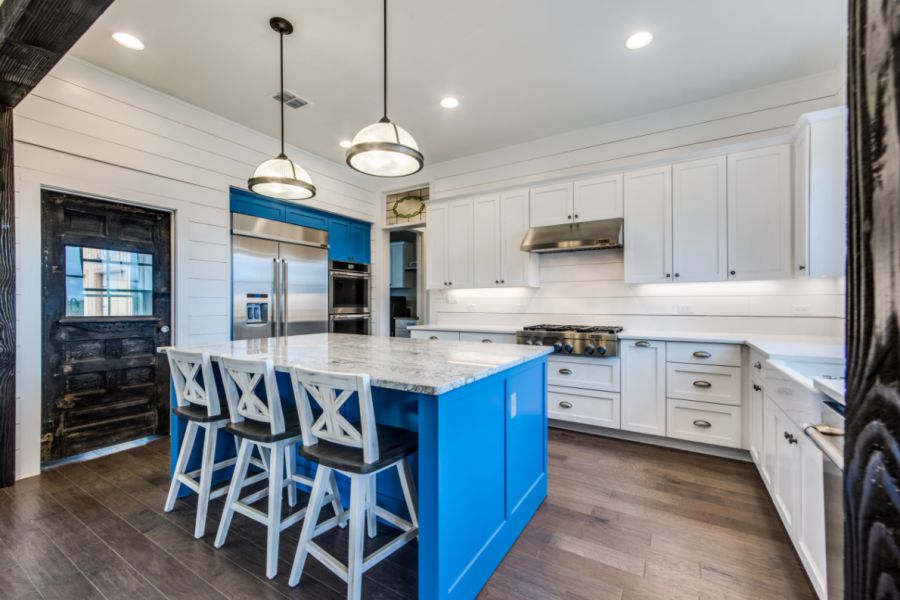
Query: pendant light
(383, 149)
(280, 177)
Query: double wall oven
(349, 298)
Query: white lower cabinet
(590, 407)
(784, 456)
(585, 373)
(421, 334)
(810, 525)
(704, 422)
(756, 400)
(643, 386)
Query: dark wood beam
(872, 449)
(34, 35)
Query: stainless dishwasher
(829, 439)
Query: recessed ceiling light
(639, 40)
(128, 40)
(345, 143)
(449, 102)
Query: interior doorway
(105, 308)
(406, 281)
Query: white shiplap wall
(91, 132)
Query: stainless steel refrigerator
(279, 276)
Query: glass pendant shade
(385, 150)
(282, 178)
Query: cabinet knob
(668, 275)
(565, 371)
(702, 384)
(733, 272)
(565, 404)
(677, 274)
(757, 365)
(502, 281)
(702, 354)
(576, 216)
(496, 281)
(792, 440)
(802, 267)
(756, 388)
(702, 423)
(642, 344)
(786, 435)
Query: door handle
(642, 344)
(702, 354)
(702, 384)
(284, 296)
(565, 371)
(702, 423)
(565, 404)
(276, 314)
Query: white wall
(588, 287)
(89, 131)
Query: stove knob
(557, 347)
(568, 348)
(601, 350)
(589, 349)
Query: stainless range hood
(590, 235)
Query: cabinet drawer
(585, 373)
(583, 406)
(725, 355)
(704, 383)
(487, 338)
(420, 334)
(703, 422)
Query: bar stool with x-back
(197, 402)
(360, 451)
(257, 420)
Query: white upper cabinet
(699, 220)
(551, 204)
(598, 198)
(759, 214)
(448, 244)
(486, 240)
(517, 268)
(820, 193)
(436, 246)
(648, 225)
(459, 244)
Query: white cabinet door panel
(459, 244)
(517, 268)
(643, 386)
(699, 220)
(810, 526)
(757, 401)
(436, 258)
(648, 225)
(759, 214)
(598, 198)
(551, 204)
(704, 422)
(486, 241)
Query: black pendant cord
(281, 83)
(385, 119)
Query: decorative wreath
(416, 213)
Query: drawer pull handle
(642, 344)
(434, 337)
(756, 388)
(702, 354)
(565, 404)
(702, 384)
(487, 341)
(565, 371)
(702, 423)
(757, 365)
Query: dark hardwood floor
(622, 520)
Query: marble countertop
(422, 366)
(833, 388)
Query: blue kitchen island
(481, 415)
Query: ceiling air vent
(290, 100)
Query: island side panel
(482, 476)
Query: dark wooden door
(106, 305)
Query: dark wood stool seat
(394, 444)
(198, 414)
(256, 431)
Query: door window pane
(108, 283)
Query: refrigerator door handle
(284, 297)
(276, 313)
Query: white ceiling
(522, 69)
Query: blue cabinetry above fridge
(348, 239)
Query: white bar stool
(197, 402)
(258, 422)
(360, 451)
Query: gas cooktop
(599, 341)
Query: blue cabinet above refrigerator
(348, 239)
